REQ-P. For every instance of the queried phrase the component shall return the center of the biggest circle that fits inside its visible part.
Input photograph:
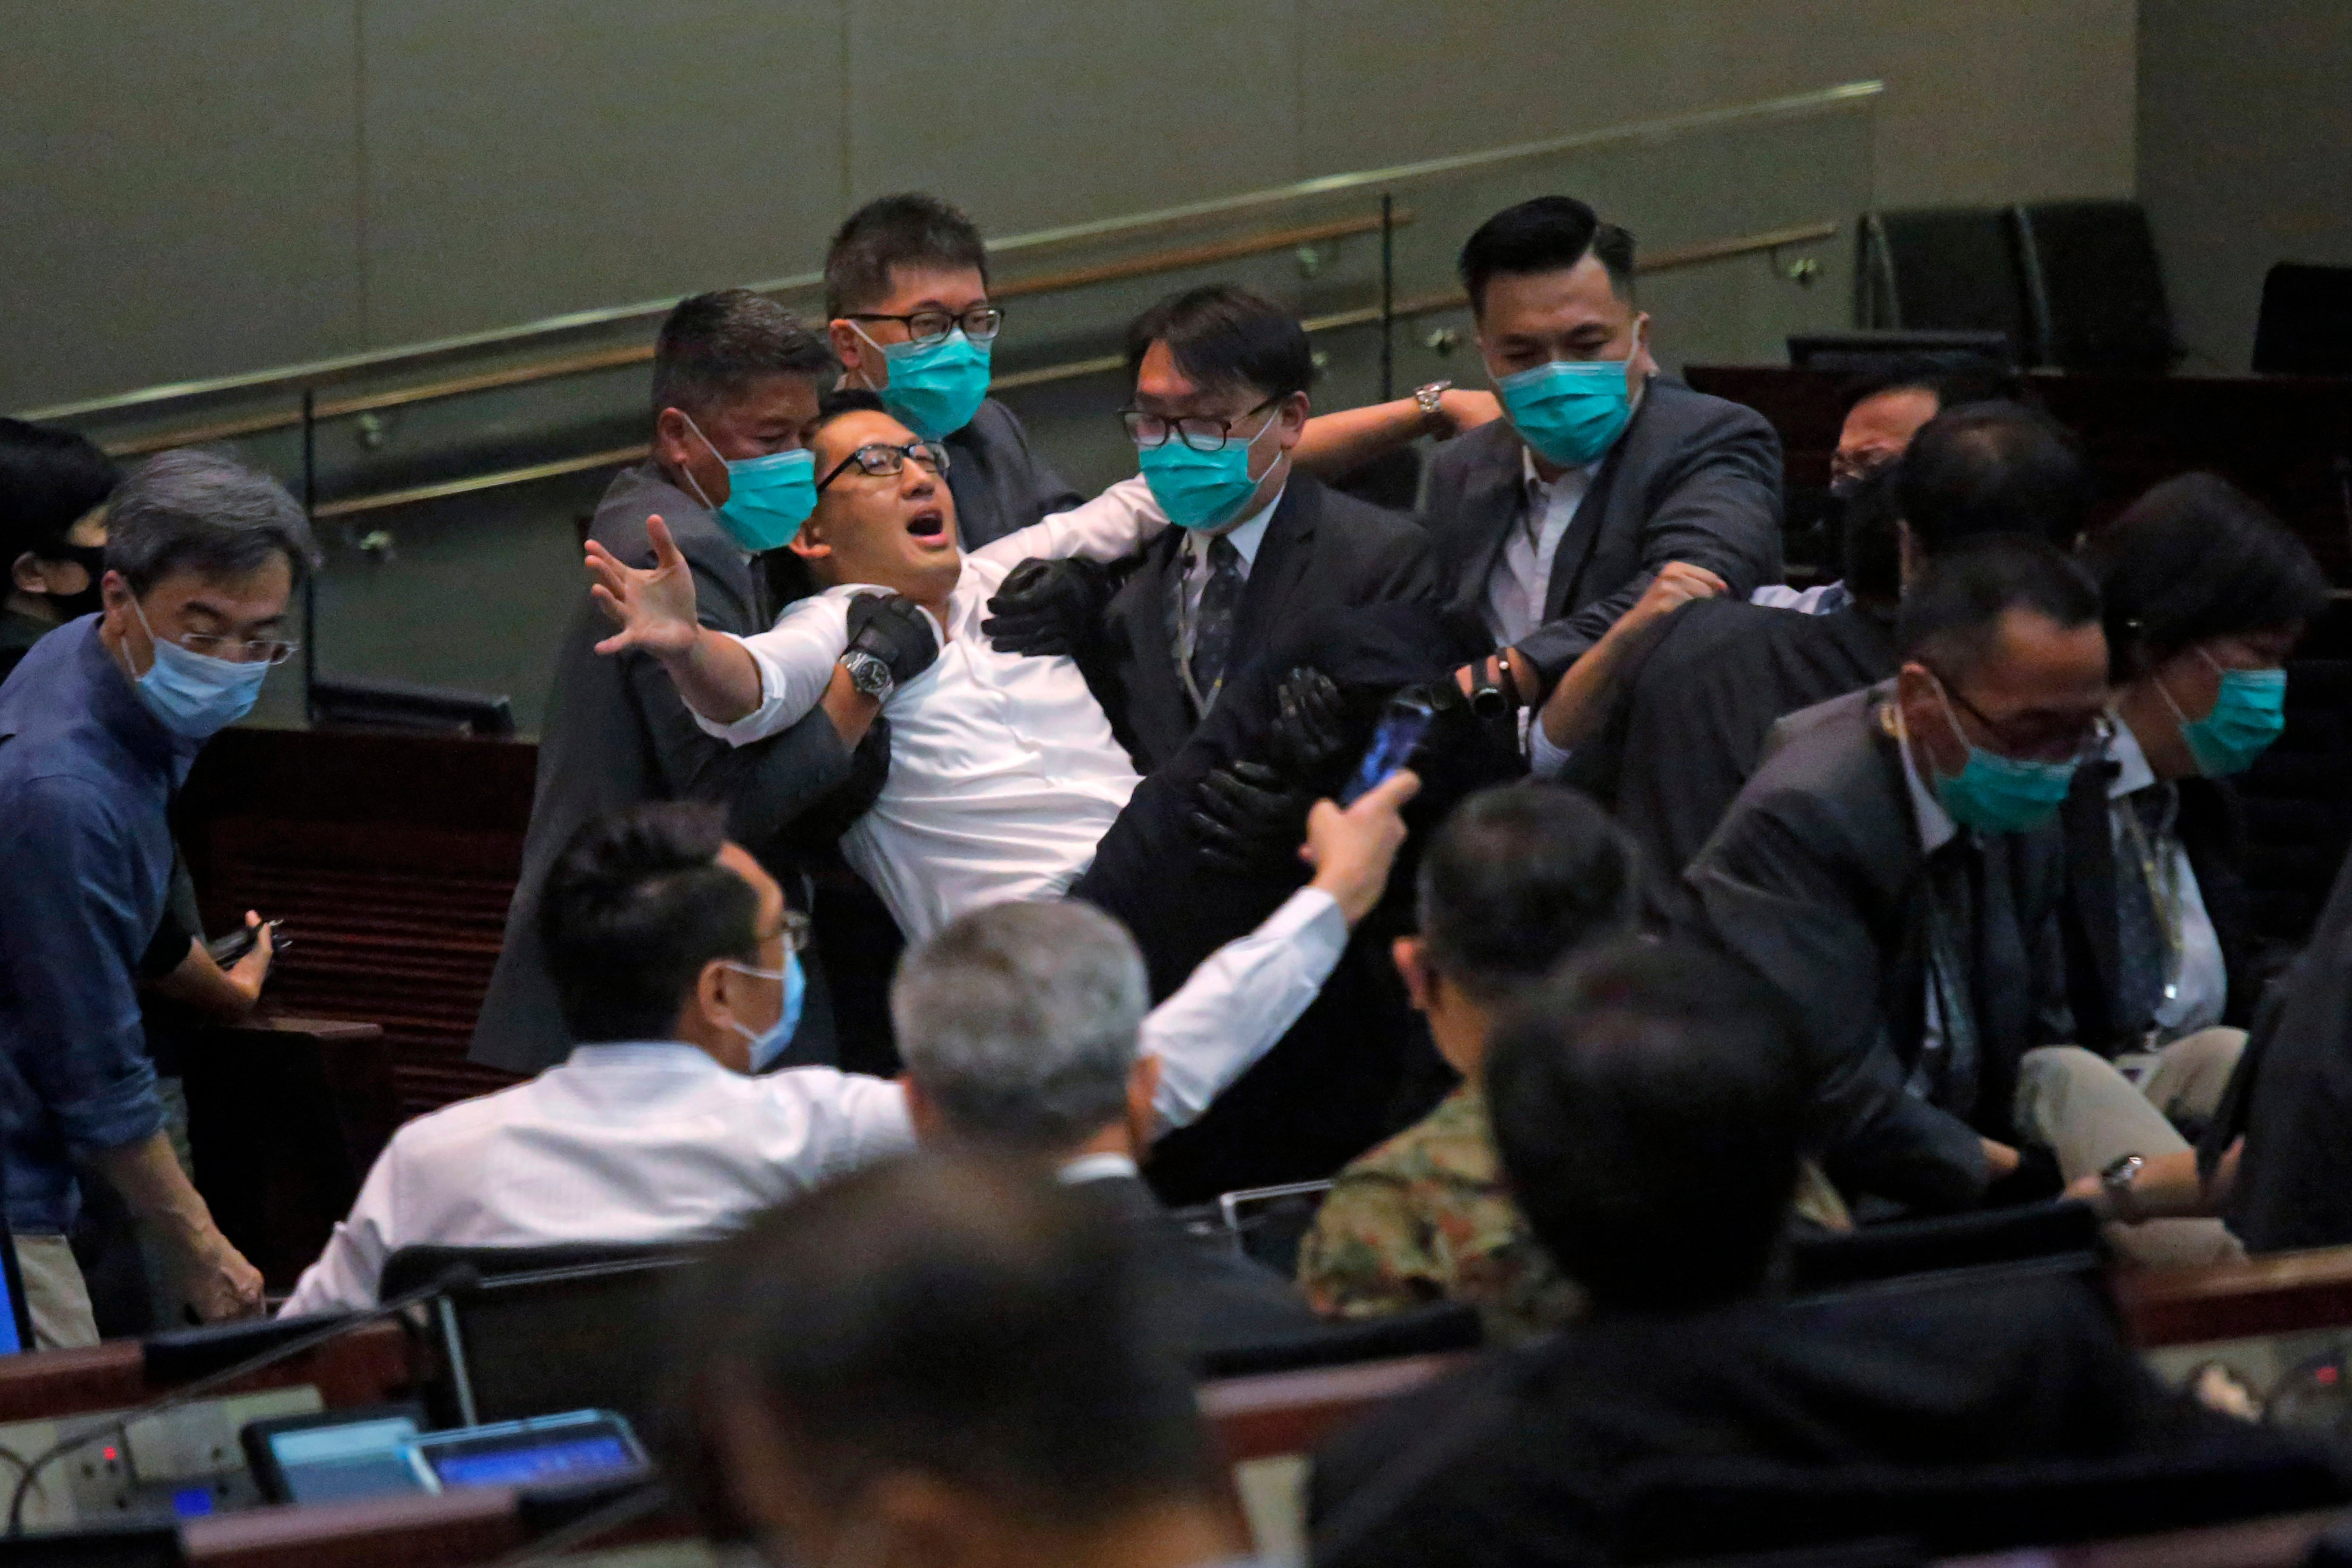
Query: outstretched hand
(1353, 850)
(654, 608)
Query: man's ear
(1297, 410)
(809, 543)
(1142, 1088)
(28, 576)
(852, 350)
(1420, 984)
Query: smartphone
(227, 950)
(1402, 724)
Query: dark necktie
(1212, 623)
(1953, 876)
(2143, 955)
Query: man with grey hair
(98, 729)
(1021, 1026)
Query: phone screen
(1402, 724)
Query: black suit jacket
(1693, 479)
(1689, 723)
(1205, 1299)
(1000, 483)
(2212, 825)
(1543, 1456)
(1322, 550)
(1818, 880)
(616, 734)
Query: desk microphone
(454, 1281)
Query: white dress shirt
(2201, 988)
(1521, 581)
(650, 1142)
(1246, 536)
(1004, 770)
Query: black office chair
(1428, 1330)
(549, 1329)
(2305, 327)
(2061, 1234)
(1944, 269)
(2094, 286)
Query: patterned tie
(1950, 1080)
(2143, 957)
(1213, 624)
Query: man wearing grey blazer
(1549, 523)
(735, 386)
(1895, 868)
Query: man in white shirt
(676, 965)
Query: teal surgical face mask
(1994, 793)
(768, 1044)
(2248, 713)
(1570, 411)
(767, 497)
(933, 389)
(195, 695)
(1204, 490)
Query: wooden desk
(1292, 1412)
(2286, 440)
(2285, 1292)
(370, 1365)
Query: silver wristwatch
(2116, 1180)
(868, 675)
(1427, 397)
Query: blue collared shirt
(86, 778)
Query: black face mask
(91, 559)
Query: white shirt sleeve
(345, 1277)
(1243, 998)
(857, 1118)
(795, 656)
(1111, 527)
(1545, 760)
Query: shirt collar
(1245, 535)
(1936, 827)
(2133, 773)
(643, 1053)
(1097, 1168)
(114, 699)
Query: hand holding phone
(1402, 724)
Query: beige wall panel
(1030, 115)
(178, 190)
(525, 160)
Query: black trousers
(1359, 1065)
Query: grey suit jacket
(1000, 482)
(1693, 479)
(1322, 550)
(1817, 879)
(616, 734)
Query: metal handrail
(319, 373)
(1417, 305)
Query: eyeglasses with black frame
(2052, 738)
(793, 931)
(926, 328)
(1202, 432)
(882, 459)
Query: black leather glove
(1047, 606)
(1310, 731)
(892, 629)
(1249, 821)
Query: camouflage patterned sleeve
(1368, 1253)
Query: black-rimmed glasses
(2056, 738)
(925, 328)
(882, 459)
(1202, 432)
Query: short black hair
(716, 347)
(1951, 613)
(1519, 878)
(832, 404)
(1221, 335)
(960, 1315)
(1873, 540)
(1993, 467)
(1648, 1104)
(1952, 379)
(202, 511)
(635, 907)
(1547, 234)
(49, 479)
(905, 230)
(2193, 559)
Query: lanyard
(1188, 615)
(2162, 879)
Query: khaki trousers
(2078, 1106)
(55, 1294)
